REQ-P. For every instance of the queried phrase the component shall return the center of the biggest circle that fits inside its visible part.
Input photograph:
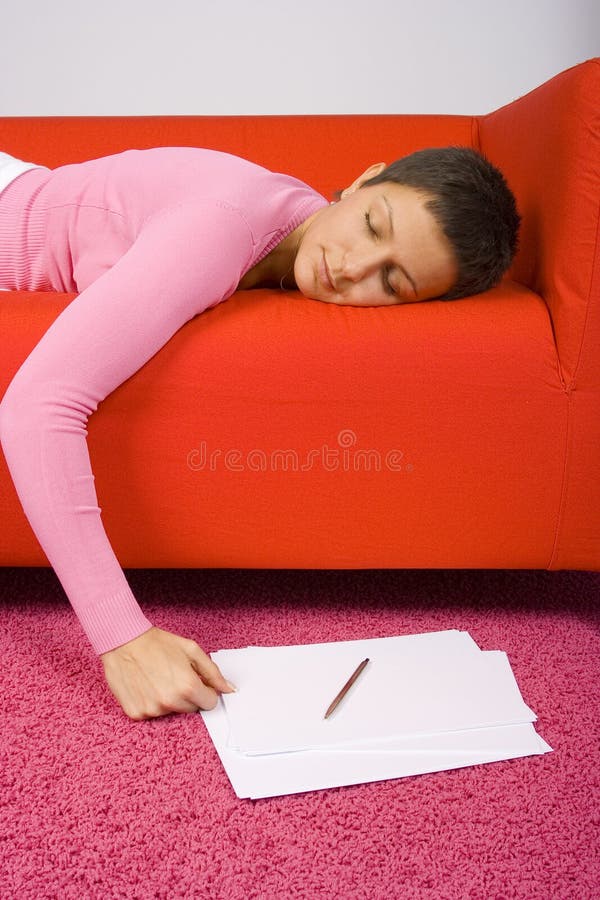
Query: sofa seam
(588, 299)
(475, 133)
(572, 387)
(564, 482)
(592, 60)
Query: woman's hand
(159, 673)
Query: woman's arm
(186, 259)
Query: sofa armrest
(547, 143)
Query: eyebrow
(401, 267)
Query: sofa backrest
(325, 151)
(547, 143)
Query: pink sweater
(148, 239)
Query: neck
(281, 260)
(277, 269)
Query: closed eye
(386, 285)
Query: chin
(305, 286)
(307, 279)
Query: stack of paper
(424, 703)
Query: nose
(360, 265)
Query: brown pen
(347, 687)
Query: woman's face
(341, 260)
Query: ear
(371, 172)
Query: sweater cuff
(113, 621)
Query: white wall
(233, 57)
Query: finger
(197, 696)
(156, 711)
(209, 670)
(190, 696)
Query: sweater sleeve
(186, 258)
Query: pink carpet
(94, 805)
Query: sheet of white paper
(238, 665)
(450, 640)
(280, 705)
(311, 770)
(361, 756)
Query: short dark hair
(474, 207)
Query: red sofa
(279, 432)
